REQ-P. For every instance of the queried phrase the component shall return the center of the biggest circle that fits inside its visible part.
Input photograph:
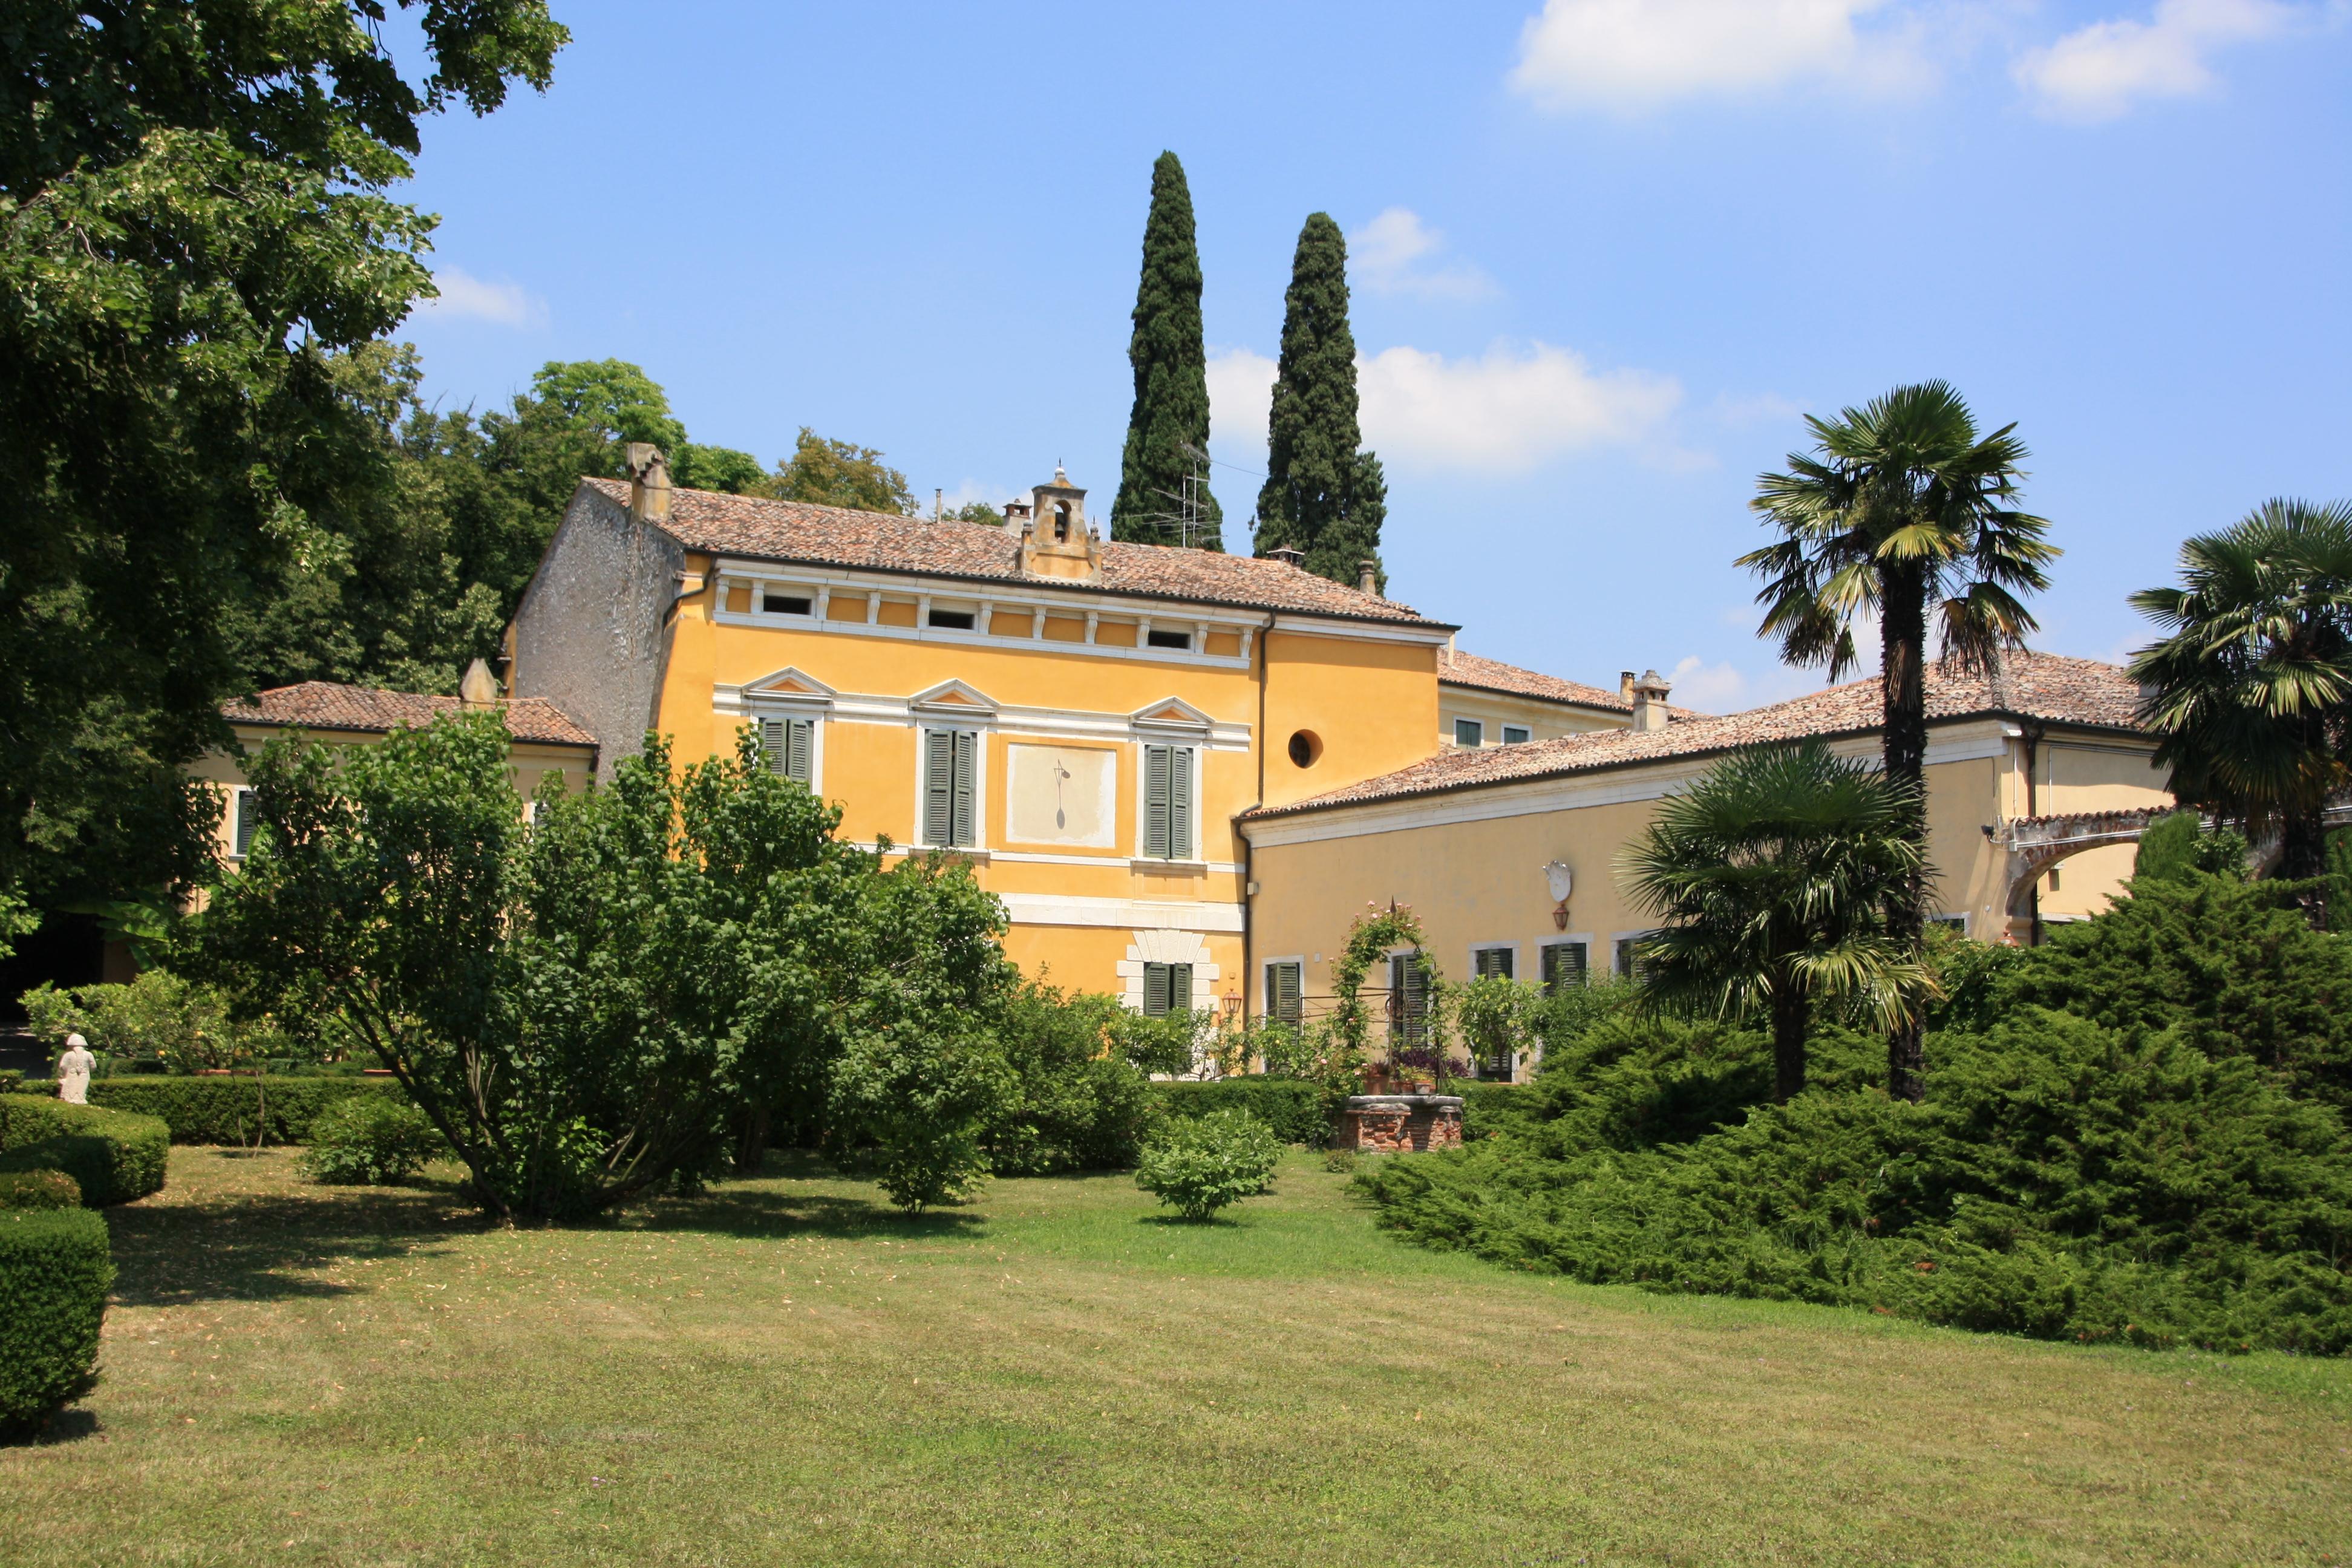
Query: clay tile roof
(2040, 686)
(1455, 668)
(324, 705)
(836, 536)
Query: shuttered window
(1625, 965)
(1168, 802)
(1284, 1001)
(1408, 1000)
(788, 744)
(1167, 988)
(1563, 965)
(1488, 963)
(950, 784)
(242, 822)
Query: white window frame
(1518, 734)
(1470, 972)
(815, 715)
(1568, 939)
(1478, 724)
(1143, 854)
(1265, 987)
(978, 785)
(1614, 938)
(1958, 919)
(238, 795)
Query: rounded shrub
(366, 1140)
(1199, 1164)
(54, 1276)
(118, 1157)
(38, 1190)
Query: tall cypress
(1323, 496)
(1172, 378)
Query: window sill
(1182, 868)
(980, 855)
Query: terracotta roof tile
(324, 705)
(2047, 687)
(1455, 668)
(837, 536)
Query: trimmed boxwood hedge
(116, 1156)
(1296, 1111)
(54, 1276)
(223, 1109)
(38, 1190)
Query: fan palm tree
(1905, 512)
(1770, 874)
(2251, 688)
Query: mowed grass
(787, 1373)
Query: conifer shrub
(1199, 1165)
(117, 1157)
(368, 1140)
(54, 1276)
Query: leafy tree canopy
(825, 472)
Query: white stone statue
(73, 1071)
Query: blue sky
(1605, 254)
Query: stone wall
(590, 634)
(1401, 1123)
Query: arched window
(1061, 522)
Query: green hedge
(38, 1190)
(223, 1109)
(116, 1156)
(54, 1276)
(1491, 1108)
(1296, 1109)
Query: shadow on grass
(738, 1208)
(65, 1426)
(262, 1248)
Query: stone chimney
(479, 687)
(1287, 555)
(648, 482)
(1650, 701)
(1624, 686)
(1367, 578)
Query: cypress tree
(1172, 376)
(1322, 496)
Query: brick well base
(1401, 1123)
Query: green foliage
(2234, 967)
(38, 1190)
(192, 227)
(1298, 1112)
(1322, 496)
(1079, 1098)
(117, 1156)
(1488, 1109)
(55, 1273)
(824, 473)
(1369, 938)
(1199, 1164)
(368, 1140)
(240, 1108)
(2176, 847)
(2063, 1180)
(1769, 874)
(159, 1016)
(2250, 684)
(1172, 377)
(1499, 1019)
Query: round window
(1305, 746)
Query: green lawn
(787, 1374)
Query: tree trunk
(1902, 630)
(2303, 858)
(752, 1142)
(1790, 1014)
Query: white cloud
(1630, 54)
(1511, 409)
(1396, 254)
(2102, 71)
(1724, 687)
(464, 296)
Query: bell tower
(1056, 541)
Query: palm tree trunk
(1791, 1013)
(1903, 632)
(2303, 858)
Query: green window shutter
(1283, 1002)
(1179, 803)
(967, 781)
(938, 786)
(1493, 962)
(241, 803)
(799, 743)
(1179, 988)
(1563, 965)
(773, 739)
(1155, 801)
(1155, 990)
(1408, 999)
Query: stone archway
(2037, 843)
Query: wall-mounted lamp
(1561, 880)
